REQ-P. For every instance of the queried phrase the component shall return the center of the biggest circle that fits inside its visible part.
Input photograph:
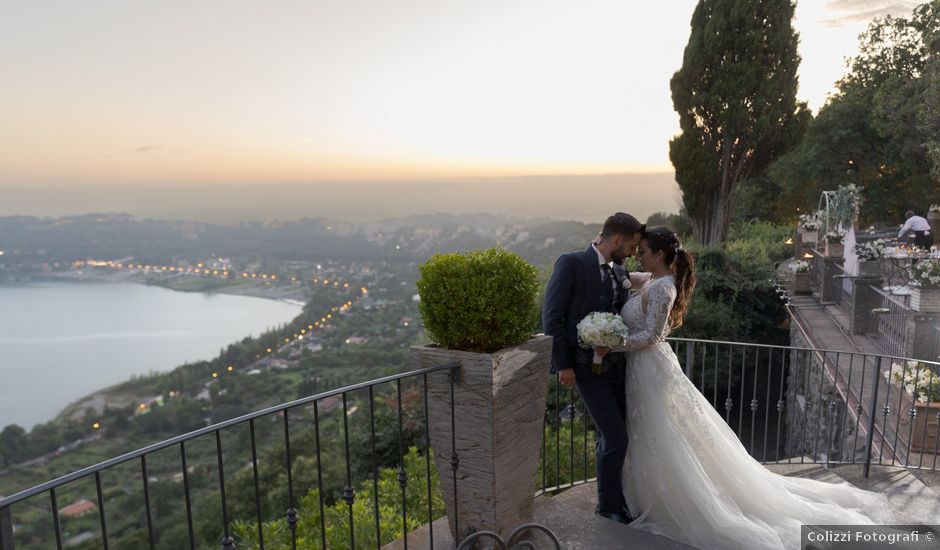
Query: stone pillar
(499, 411)
(864, 299)
(827, 287)
(924, 337)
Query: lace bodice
(652, 326)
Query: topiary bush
(483, 300)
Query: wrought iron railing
(363, 393)
(786, 405)
(888, 323)
(842, 289)
(817, 269)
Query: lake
(61, 341)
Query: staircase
(913, 497)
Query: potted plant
(801, 277)
(933, 218)
(869, 256)
(921, 388)
(479, 310)
(924, 278)
(834, 240)
(809, 227)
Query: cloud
(146, 148)
(865, 10)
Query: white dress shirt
(914, 223)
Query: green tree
(13, 444)
(736, 99)
(878, 130)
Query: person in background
(919, 228)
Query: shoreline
(109, 396)
(289, 294)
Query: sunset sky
(182, 92)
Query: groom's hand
(567, 377)
(601, 351)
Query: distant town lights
(215, 375)
(230, 368)
(96, 426)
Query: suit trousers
(604, 397)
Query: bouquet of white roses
(800, 266)
(835, 236)
(917, 379)
(601, 329)
(925, 274)
(809, 222)
(871, 250)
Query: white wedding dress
(688, 477)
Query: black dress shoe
(625, 514)
(613, 516)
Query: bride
(686, 475)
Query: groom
(582, 283)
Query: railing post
(6, 529)
(871, 418)
(924, 338)
(689, 359)
(827, 289)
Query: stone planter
(809, 236)
(933, 218)
(869, 268)
(926, 426)
(925, 299)
(835, 249)
(801, 283)
(499, 411)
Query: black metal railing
(786, 405)
(817, 268)
(42, 500)
(888, 323)
(842, 289)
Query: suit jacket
(575, 290)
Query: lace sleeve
(659, 303)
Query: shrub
(480, 301)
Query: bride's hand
(601, 351)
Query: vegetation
(879, 131)
(736, 99)
(482, 300)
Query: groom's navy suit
(574, 290)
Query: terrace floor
(914, 496)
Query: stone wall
(816, 421)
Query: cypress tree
(736, 99)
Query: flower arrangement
(934, 208)
(809, 222)
(835, 236)
(925, 274)
(917, 379)
(800, 266)
(871, 250)
(601, 329)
